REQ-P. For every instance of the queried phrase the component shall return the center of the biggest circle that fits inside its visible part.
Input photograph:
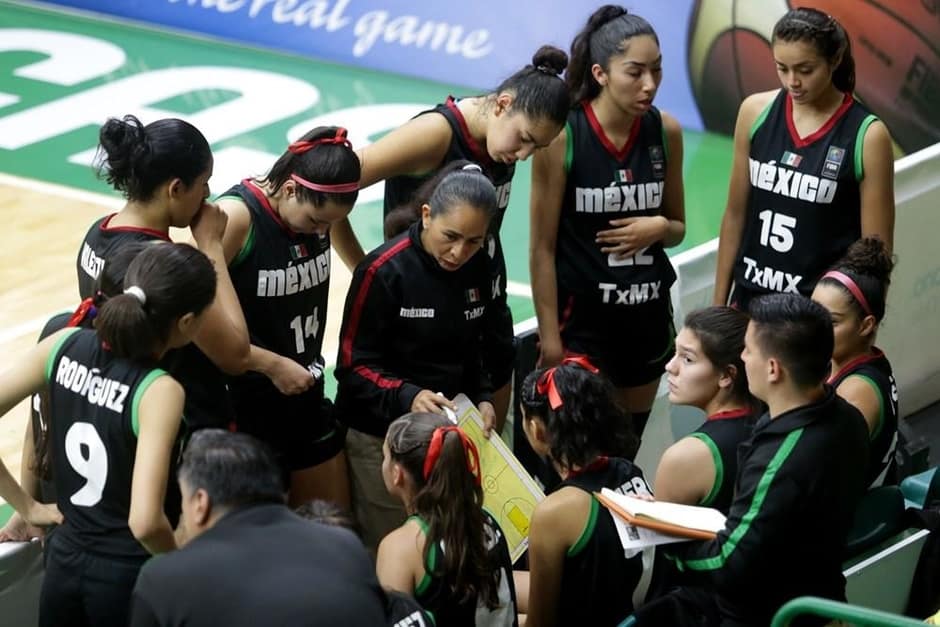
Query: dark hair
(327, 513)
(467, 184)
(135, 159)
(798, 332)
(827, 35)
(602, 37)
(451, 502)
(234, 469)
(326, 164)
(588, 424)
(175, 279)
(869, 265)
(720, 331)
(110, 282)
(540, 92)
(403, 216)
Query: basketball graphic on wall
(895, 43)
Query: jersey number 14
(304, 327)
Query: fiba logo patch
(833, 162)
(659, 164)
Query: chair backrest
(922, 488)
(879, 515)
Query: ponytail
(135, 159)
(444, 466)
(540, 92)
(828, 37)
(605, 35)
(163, 283)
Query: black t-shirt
(604, 184)
(804, 205)
(93, 407)
(599, 582)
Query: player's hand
(18, 530)
(431, 402)
(629, 235)
(42, 514)
(208, 225)
(488, 413)
(289, 377)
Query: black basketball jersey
(93, 399)
(803, 210)
(435, 596)
(599, 581)
(283, 281)
(722, 433)
(876, 370)
(399, 190)
(605, 184)
(100, 243)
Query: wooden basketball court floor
(44, 225)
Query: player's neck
(845, 360)
(616, 122)
(475, 114)
(824, 106)
(142, 215)
(789, 397)
(722, 403)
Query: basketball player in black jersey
(163, 169)
(495, 131)
(607, 198)
(277, 246)
(707, 372)
(854, 291)
(113, 419)
(579, 574)
(813, 170)
(450, 553)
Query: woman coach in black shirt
(411, 334)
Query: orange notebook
(667, 528)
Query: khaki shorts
(377, 512)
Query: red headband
(300, 147)
(847, 282)
(437, 443)
(546, 383)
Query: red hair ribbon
(546, 383)
(437, 443)
(300, 147)
(847, 282)
(86, 309)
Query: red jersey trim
(356, 314)
(730, 414)
(481, 156)
(803, 142)
(132, 229)
(619, 155)
(259, 194)
(855, 363)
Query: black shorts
(742, 296)
(499, 350)
(301, 428)
(631, 345)
(81, 588)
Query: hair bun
(605, 14)
(550, 60)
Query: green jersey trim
(246, 248)
(54, 353)
(860, 146)
(719, 468)
(152, 376)
(881, 404)
(759, 121)
(588, 530)
(569, 147)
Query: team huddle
(181, 409)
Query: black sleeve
(364, 370)
(142, 610)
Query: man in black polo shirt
(249, 560)
(800, 477)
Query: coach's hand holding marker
(433, 402)
(488, 413)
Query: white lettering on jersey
(416, 312)
(615, 197)
(502, 196)
(295, 278)
(632, 294)
(90, 262)
(473, 314)
(786, 182)
(770, 278)
(86, 382)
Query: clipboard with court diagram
(509, 492)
